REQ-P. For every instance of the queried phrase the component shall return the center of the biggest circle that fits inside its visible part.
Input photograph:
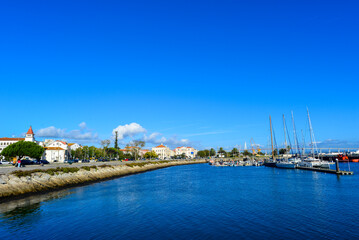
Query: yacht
(310, 162)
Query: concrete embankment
(21, 183)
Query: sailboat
(312, 161)
(271, 162)
(286, 162)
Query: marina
(193, 202)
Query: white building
(5, 141)
(131, 149)
(30, 136)
(163, 152)
(74, 146)
(56, 151)
(55, 154)
(189, 152)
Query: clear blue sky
(210, 72)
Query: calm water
(194, 202)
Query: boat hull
(286, 165)
(269, 164)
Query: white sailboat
(286, 162)
(312, 161)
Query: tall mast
(303, 139)
(311, 132)
(285, 134)
(295, 135)
(271, 136)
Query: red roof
(11, 139)
(54, 148)
(160, 146)
(30, 131)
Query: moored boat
(286, 164)
(270, 163)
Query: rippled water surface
(194, 202)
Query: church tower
(30, 135)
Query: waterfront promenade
(8, 168)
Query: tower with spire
(30, 136)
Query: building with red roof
(163, 152)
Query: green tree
(201, 154)
(85, 152)
(234, 152)
(150, 155)
(113, 152)
(73, 153)
(221, 151)
(246, 153)
(128, 156)
(105, 144)
(136, 147)
(116, 140)
(207, 153)
(212, 152)
(23, 149)
(275, 152)
(282, 151)
(92, 151)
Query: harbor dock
(326, 170)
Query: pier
(326, 170)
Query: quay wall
(23, 183)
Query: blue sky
(202, 73)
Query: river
(194, 202)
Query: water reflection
(193, 202)
(21, 208)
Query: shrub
(105, 165)
(88, 168)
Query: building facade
(163, 152)
(189, 152)
(5, 141)
(74, 146)
(56, 151)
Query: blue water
(194, 202)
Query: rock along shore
(23, 183)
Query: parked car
(70, 161)
(26, 162)
(41, 162)
(85, 160)
(5, 162)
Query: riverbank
(27, 182)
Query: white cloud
(128, 130)
(82, 125)
(82, 134)
(158, 138)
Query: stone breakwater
(20, 183)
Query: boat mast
(271, 136)
(285, 134)
(303, 139)
(295, 135)
(311, 133)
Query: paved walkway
(8, 168)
